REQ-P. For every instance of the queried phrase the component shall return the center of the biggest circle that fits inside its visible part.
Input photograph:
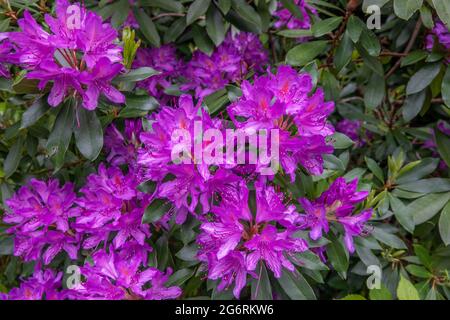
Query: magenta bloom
(6, 49)
(111, 203)
(440, 33)
(112, 277)
(122, 147)
(234, 242)
(40, 216)
(43, 284)
(228, 63)
(283, 102)
(336, 205)
(286, 19)
(163, 59)
(78, 55)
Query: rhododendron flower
(43, 284)
(163, 59)
(440, 33)
(79, 56)
(234, 241)
(5, 56)
(286, 19)
(336, 204)
(110, 203)
(281, 101)
(113, 278)
(229, 63)
(39, 214)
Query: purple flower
(283, 102)
(111, 277)
(228, 63)
(43, 284)
(440, 33)
(79, 55)
(352, 129)
(286, 19)
(234, 242)
(122, 147)
(163, 59)
(336, 205)
(6, 49)
(111, 203)
(40, 215)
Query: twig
(408, 47)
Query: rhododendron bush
(224, 149)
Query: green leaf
(338, 255)
(413, 105)
(13, 158)
(403, 216)
(296, 286)
(427, 17)
(418, 271)
(196, 9)
(388, 238)
(59, 138)
(121, 10)
(175, 30)
(380, 294)
(168, 5)
(179, 277)
(188, 253)
(305, 52)
(325, 26)
(443, 11)
(444, 224)
(370, 42)
(341, 141)
(431, 185)
(370, 61)
(295, 33)
(423, 168)
(308, 260)
(404, 9)
(343, 52)
(147, 27)
(138, 106)
(248, 14)
(406, 290)
(215, 25)
(423, 78)
(375, 91)
(261, 288)
(445, 87)
(426, 207)
(138, 74)
(375, 168)
(202, 40)
(293, 8)
(155, 210)
(353, 297)
(443, 145)
(88, 134)
(354, 27)
(413, 57)
(34, 113)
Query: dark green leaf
(196, 9)
(404, 9)
(422, 78)
(88, 134)
(305, 52)
(138, 74)
(147, 27)
(296, 286)
(325, 26)
(444, 224)
(13, 158)
(34, 113)
(156, 210)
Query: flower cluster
(47, 219)
(283, 101)
(163, 59)
(286, 18)
(441, 34)
(78, 54)
(336, 205)
(230, 62)
(235, 240)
